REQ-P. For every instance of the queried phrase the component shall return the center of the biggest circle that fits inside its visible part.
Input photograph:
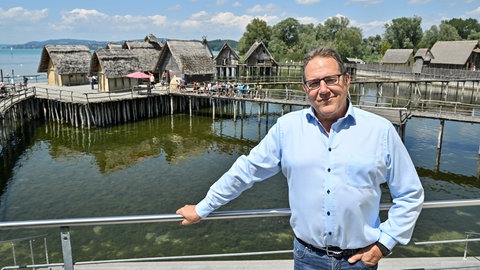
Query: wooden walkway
(84, 95)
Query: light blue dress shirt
(334, 180)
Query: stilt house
(111, 66)
(227, 62)
(422, 58)
(398, 57)
(463, 54)
(65, 65)
(259, 62)
(192, 60)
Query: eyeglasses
(331, 80)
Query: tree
(287, 31)
(348, 42)
(448, 32)
(464, 27)
(371, 48)
(257, 30)
(443, 32)
(332, 26)
(404, 32)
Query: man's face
(329, 99)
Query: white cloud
(82, 15)
(371, 28)
(20, 14)
(268, 8)
(158, 20)
(308, 20)
(200, 14)
(230, 20)
(237, 4)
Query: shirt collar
(348, 120)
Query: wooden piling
(213, 109)
(440, 134)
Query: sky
(22, 21)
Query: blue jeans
(307, 259)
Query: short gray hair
(323, 52)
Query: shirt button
(329, 149)
(328, 213)
(328, 191)
(328, 170)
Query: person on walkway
(91, 80)
(335, 158)
(25, 82)
(152, 79)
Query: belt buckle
(333, 253)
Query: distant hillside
(215, 45)
(92, 44)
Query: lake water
(20, 62)
(157, 165)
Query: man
(335, 157)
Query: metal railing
(65, 224)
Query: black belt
(330, 251)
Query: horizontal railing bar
(447, 241)
(189, 257)
(72, 222)
(450, 203)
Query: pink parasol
(138, 75)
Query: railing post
(466, 248)
(31, 252)
(13, 253)
(66, 248)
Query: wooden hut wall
(102, 79)
(473, 61)
(172, 65)
(121, 83)
(51, 77)
(74, 79)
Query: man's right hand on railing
(189, 214)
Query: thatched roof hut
(154, 41)
(112, 66)
(463, 54)
(113, 46)
(65, 65)
(259, 61)
(191, 59)
(227, 61)
(422, 58)
(399, 57)
(132, 45)
(226, 56)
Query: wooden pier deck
(84, 96)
